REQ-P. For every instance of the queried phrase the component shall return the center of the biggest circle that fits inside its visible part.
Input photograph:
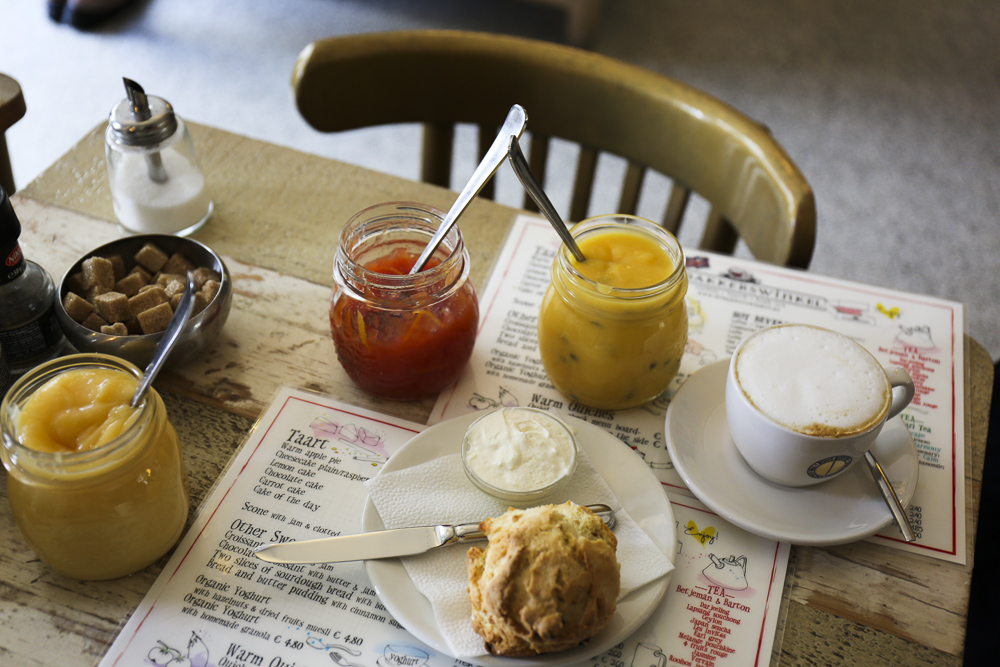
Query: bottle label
(13, 265)
(32, 340)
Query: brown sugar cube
(130, 284)
(155, 319)
(116, 329)
(178, 263)
(94, 322)
(203, 274)
(148, 297)
(133, 326)
(113, 306)
(92, 293)
(164, 277)
(77, 307)
(146, 275)
(118, 264)
(151, 258)
(75, 282)
(98, 272)
(210, 289)
(201, 301)
(174, 287)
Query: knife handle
(469, 532)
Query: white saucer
(844, 509)
(634, 485)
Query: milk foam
(813, 381)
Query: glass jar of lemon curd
(612, 329)
(97, 488)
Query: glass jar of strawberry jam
(399, 335)
(97, 488)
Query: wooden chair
(11, 110)
(440, 78)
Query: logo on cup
(828, 467)
(399, 655)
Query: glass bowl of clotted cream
(519, 455)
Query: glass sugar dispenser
(157, 185)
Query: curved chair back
(441, 78)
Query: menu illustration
(727, 299)
(301, 474)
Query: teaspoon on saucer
(890, 497)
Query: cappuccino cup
(805, 403)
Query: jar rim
(602, 223)
(526, 495)
(38, 377)
(399, 222)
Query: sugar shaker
(157, 185)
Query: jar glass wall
(97, 513)
(611, 346)
(399, 335)
(157, 188)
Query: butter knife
(385, 543)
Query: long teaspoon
(167, 342)
(513, 126)
(890, 497)
(534, 188)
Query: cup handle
(901, 380)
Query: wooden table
(277, 217)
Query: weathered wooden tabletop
(277, 217)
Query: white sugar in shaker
(157, 185)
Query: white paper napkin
(438, 492)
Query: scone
(548, 580)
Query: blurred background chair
(442, 78)
(11, 110)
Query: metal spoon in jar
(534, 188)
(166, 343)
(513, 126)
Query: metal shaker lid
(142, 120)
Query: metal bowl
(200, 331)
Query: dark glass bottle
(29, 332)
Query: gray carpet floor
(890, 109)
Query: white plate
(844, 509)
(633, 483)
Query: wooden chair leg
(486, 137)
(435, 164)
(631, 187)
(538, 160)
(676, 206)
(6, 172)
(12, 109)
(719, 235)
(583, 184)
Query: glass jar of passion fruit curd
(399, 335)
(612, 329)
(97, 488)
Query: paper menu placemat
(728, 298)
(723, 604)
(299, 475)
